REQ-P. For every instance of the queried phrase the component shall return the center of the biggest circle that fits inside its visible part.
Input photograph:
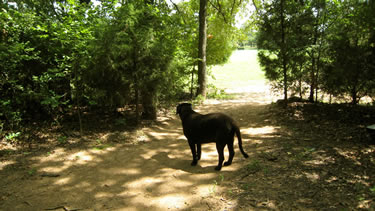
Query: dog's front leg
(193, 153)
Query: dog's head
(181, 108)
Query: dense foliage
(69, 57)
(317, 45)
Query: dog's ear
(183, 105)
(189, 105)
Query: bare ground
(306, 157)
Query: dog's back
(208, 127)
(213, 127)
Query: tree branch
(178, 10)
(255, 5)
(219, 10)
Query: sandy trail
(153, 175)
(297, 162)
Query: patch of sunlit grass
(241, 70)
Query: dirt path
(290, 167)
(152, 175)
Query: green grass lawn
(242, 70)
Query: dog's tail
(238, 134)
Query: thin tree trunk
(316, 84)
(149, 102)
(285, 82)
(354, 96)
(283, 53)
(79, 118)
(312, 78)
(318, 70)
(192, 83)
(136, 85)
(78, 89)
(314, 64)
(202, 75)
(137, 108)
(300, 81)
(300, 87)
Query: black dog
(214, 127)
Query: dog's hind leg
(231, 153)
(220, 151)
(193, 153)
(199, 151)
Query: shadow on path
(287, 169)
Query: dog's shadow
(181, 164)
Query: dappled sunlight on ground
(286, 169)
(152, 176)
(291, 166)
(6, 163)
(262, 131)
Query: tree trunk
(300, 87)
(317, 71)
(149, 101)
(316, 84)
(78, 93)
(192, 83)
(283, 52)
(136, 83)
(312, 78)
(285, 82)
(202, 75)
(314, 74)
(354, 95)
(137, 108)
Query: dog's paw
(218, 168)
(194, 163)
(227, 163)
